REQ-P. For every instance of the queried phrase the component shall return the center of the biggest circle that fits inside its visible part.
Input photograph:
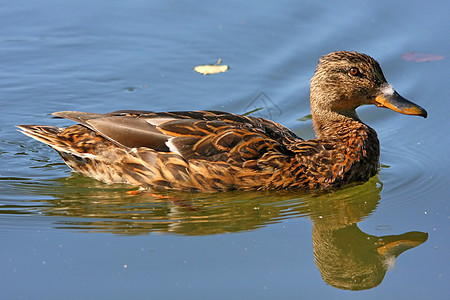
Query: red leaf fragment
(421, 57)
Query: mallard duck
(217, 151)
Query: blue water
(66, 236)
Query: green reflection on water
(346, 257)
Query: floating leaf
(305, 118)
(212, 69)
(252, 111)
(421, 57)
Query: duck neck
(334, 124)
(353, 139)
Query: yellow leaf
(211, 69)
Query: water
(64, 235)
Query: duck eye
(354, 71)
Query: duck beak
(389, 98)
(397, 244)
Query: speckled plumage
(217, 151)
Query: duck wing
(207, 135)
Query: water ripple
(413, 174)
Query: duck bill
(392, 100)
(397, 244)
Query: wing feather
(208, 135)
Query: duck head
(345, 80)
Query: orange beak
(394, 101)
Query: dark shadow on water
(346, 257)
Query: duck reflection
(347, 257)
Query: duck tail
(44, 134)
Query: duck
(211, 151)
